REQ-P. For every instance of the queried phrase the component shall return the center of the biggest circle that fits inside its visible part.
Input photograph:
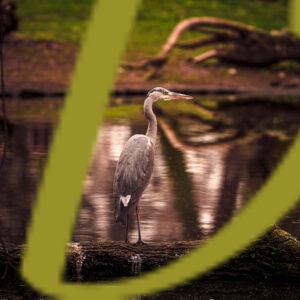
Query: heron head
(160, 93)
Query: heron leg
(127, 226)
(140, 241)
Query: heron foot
(140, 243)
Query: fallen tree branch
(206, 55)
(193, 24)
(217, 38)
(233, 42)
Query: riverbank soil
(47, 67)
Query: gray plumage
(135, 165)
(133, 173)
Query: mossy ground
(50, 31)
(66, 20)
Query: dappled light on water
(198, 184)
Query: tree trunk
(9, 20)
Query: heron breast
(125, 200)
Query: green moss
(175, 109)
(209, 103)
(66, 20)
(34, 110)
(53, 20)
(128, 112)
(48, 110)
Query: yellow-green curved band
(55, 211)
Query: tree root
(232, 42)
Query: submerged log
(275, 256)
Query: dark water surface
(198, 184)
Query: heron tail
(122, 209)
(121, 214)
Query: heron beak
(178, 96)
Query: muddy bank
(45, 68)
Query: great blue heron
(135, 164)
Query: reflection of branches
(181, 145)
(8, 259)
(229, 187)
(183, 190)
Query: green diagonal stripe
(55, 212)
(294, 16)
(56, 208)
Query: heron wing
(134, 168)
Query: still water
(198, 184)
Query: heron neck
(152, 122)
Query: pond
(204, 172)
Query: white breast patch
(125, 200)
(149, 143)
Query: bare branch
(205, 42)
(197, 23)
(238, 43)
(206, 55)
